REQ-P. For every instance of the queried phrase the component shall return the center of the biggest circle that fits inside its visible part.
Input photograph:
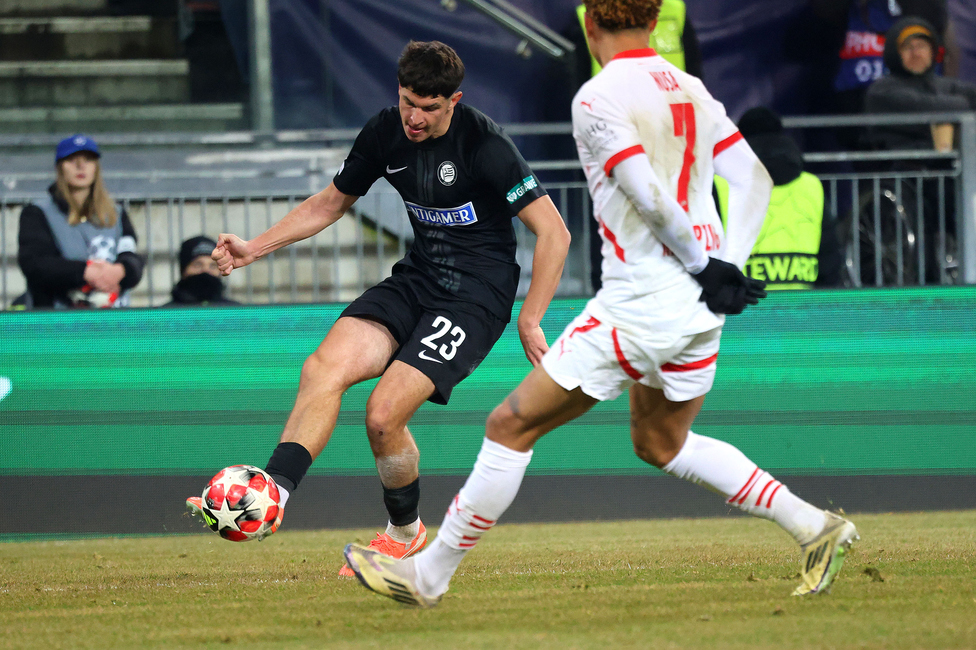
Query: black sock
(403, 503)
(288, 464)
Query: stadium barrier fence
(904, 217)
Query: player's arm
(312, 216)
(660, 211)
(551, 245)
(724, 288)
(749, 190)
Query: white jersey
(640, 104)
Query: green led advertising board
(834, 382)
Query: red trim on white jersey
(620, 156)
(726, 143)
(612, 238)
(585, 327)
(621, 359)
(639, 53)
(685, 367)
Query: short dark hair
(430, 69)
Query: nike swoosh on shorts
(423, 355)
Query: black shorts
(439, 335)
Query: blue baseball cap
(74, 144)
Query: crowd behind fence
(895, 226)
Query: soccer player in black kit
(428, 325)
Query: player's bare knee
(499, 421)
(505, 424)
(377, 424)
(381, 420)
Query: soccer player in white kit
(650, 138)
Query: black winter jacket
(202, 289)
(904, 92)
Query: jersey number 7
(684, 125)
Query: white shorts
(604, 361)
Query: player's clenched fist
(231, 253)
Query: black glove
(726, 290)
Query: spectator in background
(856, 31)
(77, 248)
(797, 247)
(200, 282)
(911, 86)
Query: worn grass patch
(700, 583)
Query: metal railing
(334, 266)
(531, 31)
(905, 206)
(898, 227)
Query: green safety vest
(666, 37)
(785, 254)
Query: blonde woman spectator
(77, 248)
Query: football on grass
(240, 503)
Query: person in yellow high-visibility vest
(793, 239)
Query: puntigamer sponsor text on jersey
(462, 215)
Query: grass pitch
(707, 583)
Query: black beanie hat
(759, 120)
(193, 248)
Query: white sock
(403, 534)
(486, 495)
(722, 468)
(282, 496)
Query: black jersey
(461, 191)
